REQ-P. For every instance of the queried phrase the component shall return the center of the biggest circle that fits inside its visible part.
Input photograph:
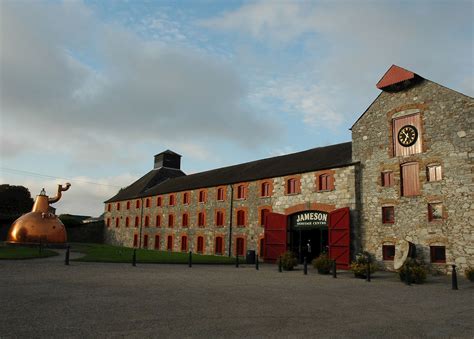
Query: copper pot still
(40, 225)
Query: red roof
(395, 74)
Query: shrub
(322, 263)
(288, 261)
(359, 266)
(416, 270)
(469, 273)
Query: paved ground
(44, 298)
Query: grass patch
(16, 252)
(116, 254)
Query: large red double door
(276, 236)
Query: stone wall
(447, 139)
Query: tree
(14, 200)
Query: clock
(407, 135)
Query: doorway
(309, 243)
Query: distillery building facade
(407, 176)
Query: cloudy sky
(91, 90)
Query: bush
(469, 273)
(359, 266)
(323, 264)
(288, 261)
(416, 270)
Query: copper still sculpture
(40, 225)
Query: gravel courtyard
(45, 298)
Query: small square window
(220, 194)
(433, 172)
(435, 211)
(438, 254)
(388, 215)
(387, 179)
(388, 252)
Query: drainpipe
(141, 225)
(230, 219)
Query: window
(435, 211)
(387, 179)
(291, 186)
(388, 215)
(171, 200)
(135, 240)
(157, 242)
(147, 221)
(186, 198)
(263, 215)
(388, 252)
(137, 221)
(145, 241)
(219, 218)
(324, 182)
(184, 220)
(159, 202)
(413, 145)
(433, 172)
(201, 219)
(200, 244)
(202, 196)
(118, 206)
(169, 243)
(158, 221)
(128, 205)
(220, 194)
(410, 179)
(117, 222)
(171, 221)
(239, 244)
(184, 243)
(438, 254)
(265, 189)
(108, 222)
(241, 218)
(127, 222)
(109, 207)
(218, 247)
(147, 202)
(137, 204)
(241, 192)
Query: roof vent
(395, 76)
(168, 159)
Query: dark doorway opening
(309, 243)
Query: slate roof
(320, 158)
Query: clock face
(407, 135)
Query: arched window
(263, 214)
(218, 246)
(169, 244)
(117, 222)
(109, 207)
(220, 194)
(147, 202)
(135, 240)
(147, 221)
(118, 206)
(219, 218)
(240, 246)
(137, 221)
(265, 189)
(200, 244)
(184, 243)
(241, 218)
(185, 198)
(202, 196)
(171, 200)
(171, 221)
(137, 204)
(291, 186)
(127, 221)
(158, 221)
(159, 202)
(201, 219)
(145, 241)
(128, 205)
(185, 220)
(241, 192)
(157, 242)
(108, 222)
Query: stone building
(406, 176)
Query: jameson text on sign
(310, 219)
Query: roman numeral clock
(407, 135)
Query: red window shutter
(137, 221)
(158, 221)
(410, 179)
(137, 204)
(128, 205)
(157, 242)
(200, 244)
(169, 245)
(218, 248)
(184, 243)
(240, 246)
(127, 222)
(147, 221)
(135, 240)
(117, 222)
(109, 207)
(145, 241)
(158, 201)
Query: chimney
(168, 159)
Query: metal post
(407, 275)
(134, 257)
(190, 260)
(305, 265)
(279, 265)
(454, 279)
(334, 269)
(368, 269)
(237, 260)
(256, 262)
(66, 260)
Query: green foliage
(70, 220)
(416, 271)
(288, 261)
(359, 266)
(14, 200)
(16, 252)
(469, 273)
(322, 263)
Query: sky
(90, 91)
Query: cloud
(77, 81)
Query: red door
(275, 236)
(340, 237)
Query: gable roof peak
(394, 75)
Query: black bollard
(66, 260)
(454, 279)
(279, 265)
(305, 263)
(334, 269)
(256, 262)
(134, 257)
(407, 275)
(190, 259)
(237, 260)
(368, 270)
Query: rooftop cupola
(168, 159)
